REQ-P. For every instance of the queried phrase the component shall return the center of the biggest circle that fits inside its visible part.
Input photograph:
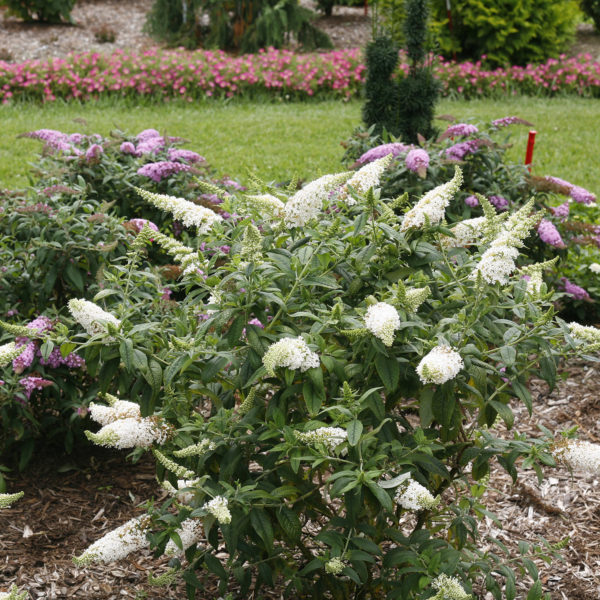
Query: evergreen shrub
(47, 11)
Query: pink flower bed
(281, 73)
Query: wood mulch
(70, 502)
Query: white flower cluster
(184, 255)
(411, 495)
(440, 365)
(187, 212)
(185, 497)
(202, 447)
(217, 507)
(306, 204)
(292, 353)
(449, 588)
(382, 320)
(131, 432)
(594, 268)
(190, 533)
(91, 317)
(585, 333)
(579, 455)
(364, 179)
(334, 566)
(534, 276)
(7, 499)
(14, 594)
(431, 208)
(266, 205)
(117, 544)
(415, 297)
(330, 437)
(466, 232)
(498, 261)
(121, 409)
(10, 351)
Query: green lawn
(278, 140)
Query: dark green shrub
(419, 90)
(507, 31)
(237, 26)
(47, 11)
(592, 9)
(381, 107)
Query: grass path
(277, 140)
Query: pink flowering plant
(323, 401)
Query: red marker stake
(530, 146)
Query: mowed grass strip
(276, 141)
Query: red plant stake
(530, 145)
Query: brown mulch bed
(71, 502)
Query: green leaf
(509, 355)
(74, 277)
(153, 376)
(535, 593)
(290, 523)
(126, 352)
(354, 429)
(262, 525)
(382, 496)
(213, 564)
(235, 331)
(548, 371)
(388, 371)
(504, 411)
(523, 394)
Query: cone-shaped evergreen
(418, 92)
(381, 107)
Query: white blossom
(334, 566)
(187, 212)
(7, 499)
(465, 233)
(579, 455)
(411, 495)
(184, 255)
(131, 433)
(266, 204)
(217, 507)
(431, 208)
(585, 333)
(10, 351)
(189, 533)
(202, 447)
(292, 353)
(185, 497)
(306, 204)
(330, 437)
(497, 264)
(449, 588)
(440, 365)
(364, 179)
(121, 409)
(594, 268)
(117, 544)
(91, 317)
(382, 320)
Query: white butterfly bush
(382, 320)
(440, 365)
(292, 353)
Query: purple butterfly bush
(576, 192)
(570, 288)
(93, 152)
(32, 383)
(395, 148)
(499, 202)
(561, 211)
(461, 130)
(161, 170)
(128, 148)
(54, 140)
(472, 201)
(417, 161)
(505, 121)
(549, 234)
(179, 154)
(151, 145)
(461, 150)
(138, 224)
